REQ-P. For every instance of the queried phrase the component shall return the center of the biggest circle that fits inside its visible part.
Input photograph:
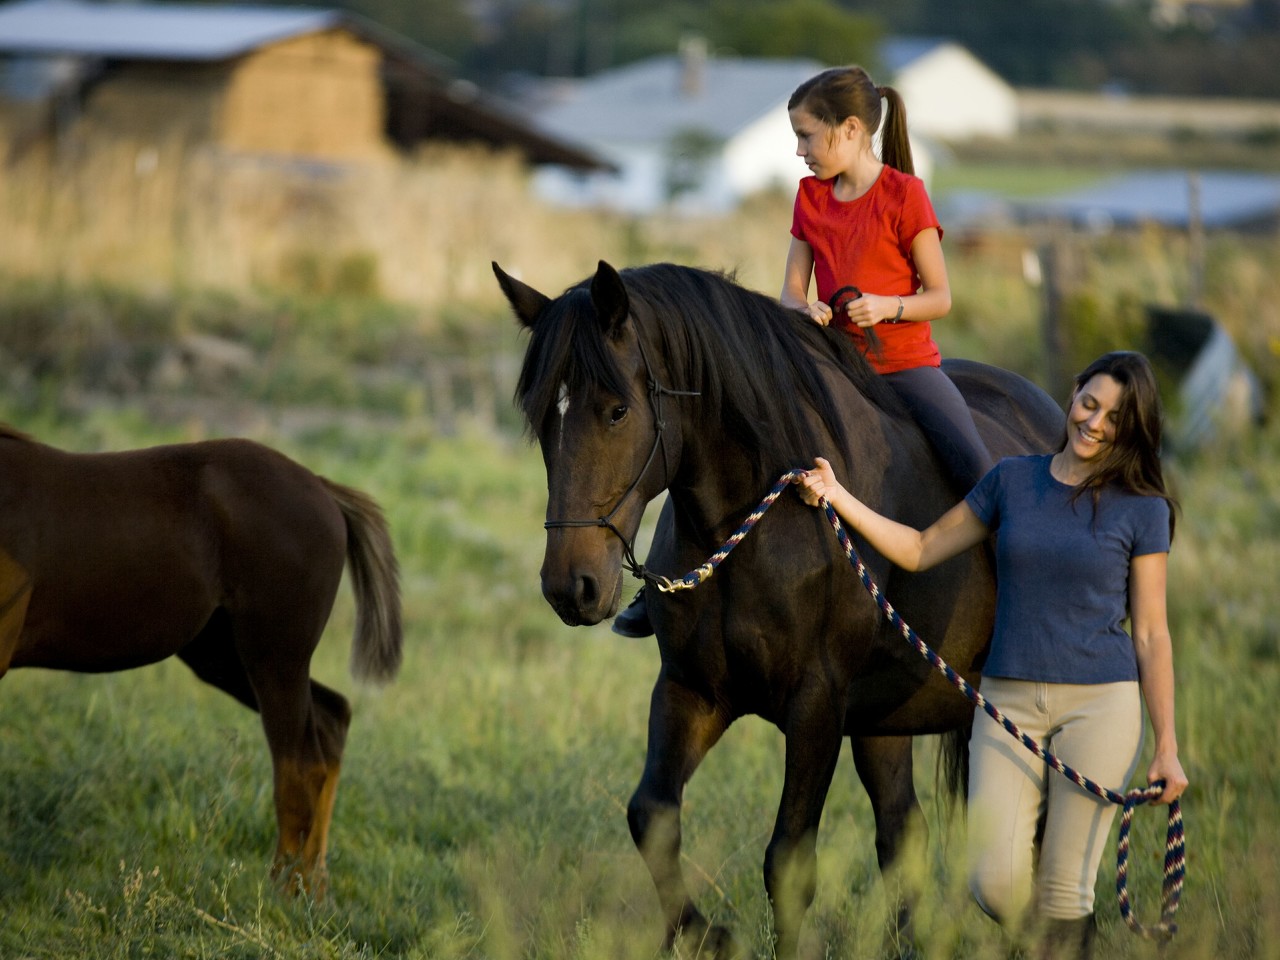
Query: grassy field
(482, 808)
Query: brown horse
(667, 377)
(226, 553)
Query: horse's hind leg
(885, 767)
(682, 728)
(306, 727)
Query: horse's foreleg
(682, 728)
(791, 863)
(885, 768)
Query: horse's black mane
(759, 366)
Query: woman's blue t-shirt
(1062, 572)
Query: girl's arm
(954, 532)
(1147, 576)
(795, 283)
(932, 301)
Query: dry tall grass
(164, 217)
(161, 216)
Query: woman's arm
(954, 532)
(932, 301)
(795, 283)
(1147, 596)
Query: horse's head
(589, 397)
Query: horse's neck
(714, 484)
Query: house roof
(647, 99)
(138, 31)
(898, 53)
(1226, 199)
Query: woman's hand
(818, 482)
(1168, 769)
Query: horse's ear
(609, 297)
(525, 301)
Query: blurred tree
(795, 28)
(442, 26)
(582, 37)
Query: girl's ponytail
(895, 147)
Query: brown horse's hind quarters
(223, 552)
(670, 378)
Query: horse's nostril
(588, 591)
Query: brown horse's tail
(375, 578)
(953, 762)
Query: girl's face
(827, 151)
(1092, 418)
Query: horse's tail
(375, 579)
(953, 762)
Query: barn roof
(137, 31)
(429, 102)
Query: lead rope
(1175, 863)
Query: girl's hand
(1168, 769)
(870, 309)
(820, 312)
(818, 482)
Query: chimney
(693, 65)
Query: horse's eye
(617, 414)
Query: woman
(1083, 545)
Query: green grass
(482, 808)
(481, 812)
(1014, 179)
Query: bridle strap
(656, 392)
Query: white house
(697, 133)
(950, 93)
(692, 132)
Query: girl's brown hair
(836, 94)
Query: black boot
(634, 620)
(1069, 939)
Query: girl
(865, 230)
(1083, 543)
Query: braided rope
(703, 573)
(1175, 840)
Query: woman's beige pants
(1035, 837)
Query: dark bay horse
(225, 553)
(668, 377)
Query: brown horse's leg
(15, 594)
(306, 726)
(813, 734)
(885, 768)
(306, 733)
(682, 728)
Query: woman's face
(826, 151)
(1093, 416)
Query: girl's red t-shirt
(866, 243)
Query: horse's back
(129, 553)
(1013, 415)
